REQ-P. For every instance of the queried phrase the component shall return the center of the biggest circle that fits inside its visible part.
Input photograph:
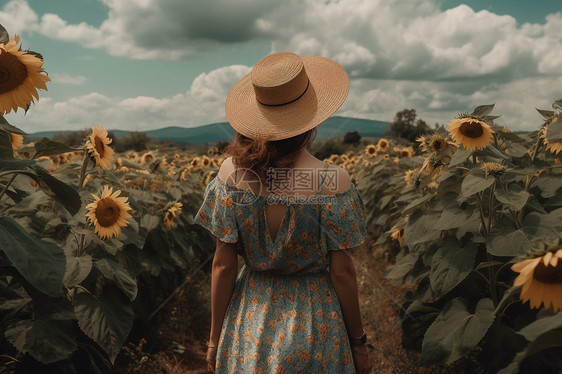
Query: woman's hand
(361, 359)
(211, 358)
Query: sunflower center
(472, 129)
(12, 72)
(99, 146)
(437, 145)
(548, 274)
(107, 212)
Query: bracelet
(358, 337)
(210, 346)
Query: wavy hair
(260, 155)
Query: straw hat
(286, 95)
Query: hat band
(288, 102)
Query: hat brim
(327, 91)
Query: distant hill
(214, 132)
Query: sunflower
(398, 235)
(405, 152)
(196, 161)
(20, 77)
(210, 177)
(493, 168)
(184, 172)
(472, 133)
(173, 212)
(206, 161)
(437, 143)
(386, 156)
(383, 144)
(147, 158)
(371, 150)
(17, 140)
(553, 147)
(541, 278)
(108, 213)
(421, 139)
(97, 145)
(133, 156)
(344, 158)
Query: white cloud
(62, 78)
(17, 16)
(136, 113)
(399, 54)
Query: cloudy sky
(145, 64)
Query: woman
(293, 307)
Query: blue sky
(144, 64)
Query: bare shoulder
(226, 171)
(341, 181)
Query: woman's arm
(225, 269)
(344, 280)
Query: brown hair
(260, 155)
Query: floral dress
(284, 315)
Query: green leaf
(554, 131)
(421, 228)
(460, 156)
(505, 240)
(113, 271)
(456, 331)
(453, 216)
(542, 227)
(60, 191)
(48, 147)
(41, 263)
(4, 36)
(6, 126)
(547, 114)
(548, 184)
(47, 341)
(475, 181)
(511, 293)
(77, 269)
(451, 264)
(415, 322)
(516, 149)
(541, 326)
(483, 110)
(15, 164)
(515, 197)
(6, 151)
(107, 319)
(417, 202)
(402, 267)
(550, 339)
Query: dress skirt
(284, 324)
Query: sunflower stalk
(491, 273)
(514, 215)
(83, 169)
(7, 185)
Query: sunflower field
(91, 241)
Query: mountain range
(222, 131)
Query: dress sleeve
(217, 212)
(343, 221)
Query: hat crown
(279, 79)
